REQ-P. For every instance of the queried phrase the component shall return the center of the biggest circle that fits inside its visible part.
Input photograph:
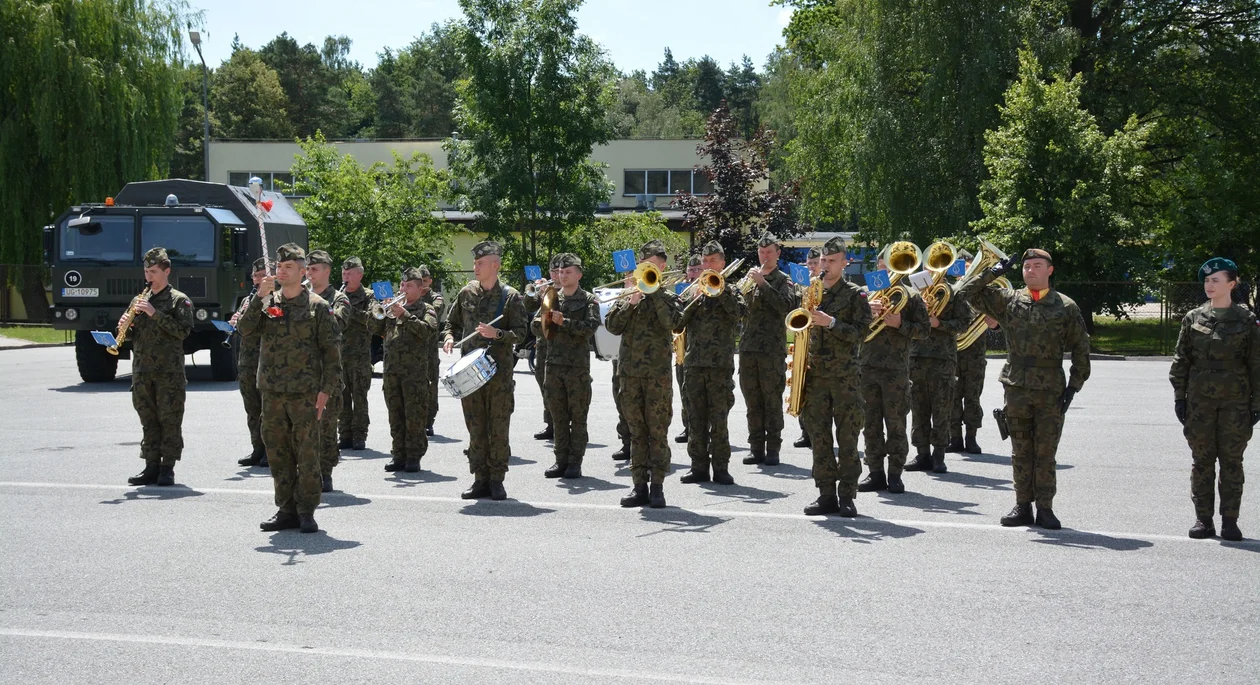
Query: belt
(1029, 360)
(1222, 365)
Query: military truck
(210, 231)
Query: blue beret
(1216, 264)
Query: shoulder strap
(502, 303)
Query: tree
(743, 88)
(621, 231)
(248, 100)
(708, 90)
(188, 159)
(415, 87)
(533, 107)
(383, 214)
(639, 112)
(90, 101)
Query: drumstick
(474, 334)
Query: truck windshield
(187, 239)
(106, 239)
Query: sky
(635, 33)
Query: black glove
(1179, 408)
(1255, 416)
(1001, 268)
(1065, 400)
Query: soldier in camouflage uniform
(434, 299)
(885, 364)
(356, 357)
(568, 372)
(710, 324)
(319, 271)
(247, 377)
(410, 335)
(762, 352)
(299, 370)
(833, 398)
(541, 344)
(158, 329)
(488, 411)
(1216, 395)
(969, 385)
(933, 361)
(689, 276)
(813, 262)
(646, 324)
(1041, 324)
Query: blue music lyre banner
(623, 261)
(384, 290)
(878, 280)
(105, 338)
(533, 272)
(799, 274)
(223, 326)
(679, 287)
(958, 268)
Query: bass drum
(607, 345)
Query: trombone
(647, 280)
(711, 283)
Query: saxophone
(124, 324)
(798, 321)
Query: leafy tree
(773, 108)
(305, 80)
(743, 88)
(188, 158)
(639, 112)
(621, 231)
(248, 100)
(707, 89)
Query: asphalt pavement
(106, 583)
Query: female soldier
(1216, 388)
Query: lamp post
(195, 37)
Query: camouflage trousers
(252, 399)
(884, 393)
(1036, 424)
(834, 403)
(931, 401)
(568, 397)
(488, 416)
(292, 436)
(967, 390)
(623, 428)
(540, 376)
(680, 376)
(1217, 431)
(353, 409)
(409, 414)
(762, 381)
(649, 406)
(432, 386)
(329, 452)
(159, 401)
(709, 394)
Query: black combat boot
(573, 470)
(802, 441)
(938, 460)
(1046, 519)
(722, 476)
(497, 491)
(345, 444)
(873, 482)
(972, 447)
(359, 445)
(825, 504)
(412, 466)
(259, 454)
(283, 520)
(397, 464)
(306, 523)
(545, 434)
(166, 475)
(1229, 529)
(638, 496)
(681, 437)
(326, 483)
(149, 476)
(845, 506)
(429, 431)
(1203, 528)
(262, 460)
(656, 495)
(696, 475)
(756, 455)
(895, 486)
(555, 470)
(479, 489)
(1021, 515)
(623, 453)
(772, 456)
(921, 462)
(955, 441)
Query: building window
(666, 182)
(701, 185)
(679, 181)
(636, 182)
(658, 182)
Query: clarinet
(240, 311)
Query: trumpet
(129, 316)
(385, 311)
(532, 289)
(799, 321)
(903, 259)
(940, 257)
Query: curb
(33, 346)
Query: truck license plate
(80, 292)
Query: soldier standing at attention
(433, 298)
(933, 362)
(158, 383)
(689, 276)
(247, 377)
(813, 263)
(709, 372)
(356, 357)
(319, 271)
(885, 364)
(646, 324)
(1041, 324)
(833, 399)
(969, 385)
(1216, 395)
(568, 372)
(541, 345)
(488, 411)
(409, 338)
(299, 369)
(762, 371)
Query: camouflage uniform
(567, 392)
(488, 411)
(247, 380)
(623, 428)
(1038, 332)
(329, 453)
(1216, 372)
(356, 365)
(762, 365)
(434, 299)
(884, 361)
(407, 378)
(933, 360)
(157, 375)
(532, 305)
(969, 386)
(299, 357)
(709, 375)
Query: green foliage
(188, 160)
(640, 112)
(383, 214)
(677, 98)
(415, 87)
(624, 231)
(89, 99)
(248, 100)
(314, 82)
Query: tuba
(938, 259)
(989, 256)
(902, 259)
(798, 321)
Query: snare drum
(607, 345)
(469, 373)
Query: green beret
(833, 246)
(290, 252)
(415, 273)
(767, 239)
(157, 257)
(486, 248)
(814, 253)
(352, 263)
(319, 257)
(1215, 265)
(712, 247)
(260, 264)
(555, 261)
(653, 248)
(693, 260)
(1037, 253)
(560, 261)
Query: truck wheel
(95, 364)
(223, 361)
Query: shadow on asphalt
(1002, 459)
(518, 461)
(742, 493)
(364, 454)
(337, 499)
(679, 521)
(866, 530)
(439, 439)
(1083, 540)
(784, 470)
(292, 545)
(508, 508)
(402, 479)
(1246, 545)
(927, 503)
(588, 484)
(153, 492)
(971, 481)
(250, 473)
(117, 385)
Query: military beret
(712, 247)
(415, 273)
(1037, 253)
(767, 239)
(486, 248)
(157, 257)
(693, 260)
(833, 246)
(260, 264)
(560, 261)
(319, 257)
(653, 248)
(814, 253)
(352, 263)
(964, 255)
(290, 252)
(1216, 264)
(555, 261)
